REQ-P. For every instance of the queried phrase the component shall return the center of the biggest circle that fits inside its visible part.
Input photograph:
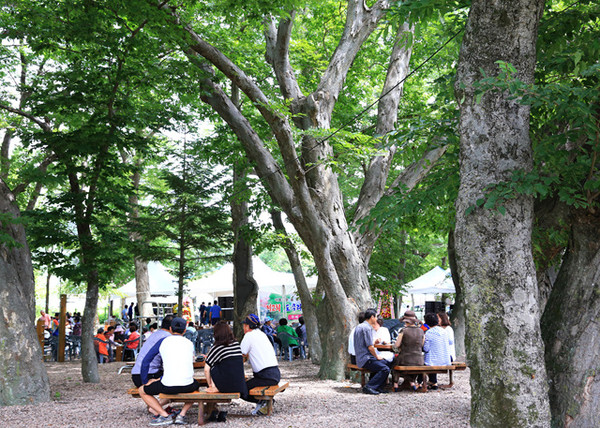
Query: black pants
(266, 377)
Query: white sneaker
(258, 409)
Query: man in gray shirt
(367, 357)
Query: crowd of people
(430, 343)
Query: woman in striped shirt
(224, 363)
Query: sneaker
(162, 420)
(263, 410)
(180, 420)
(260, 405)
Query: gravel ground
(308, 402)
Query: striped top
(436, 347)
(221, 352)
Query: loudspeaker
(227, 314)
(226, 302)
(434, 307)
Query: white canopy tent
(220, 282)
(162, 283)
(436, 281)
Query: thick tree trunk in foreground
(23, 378)
(571, 329)
(309, 310)
(504, 345)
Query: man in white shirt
(257, 347)
(177, 355)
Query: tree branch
(45, 126)
(360, 23)
(277, 54)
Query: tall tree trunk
(89, 362)
(458, 311)
(571, 328)
(142, 280)
(308, 305)
(23, 378)
(245, 288)
(504, 346)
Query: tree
(180, 224)
(23, 379)
(304, 183)
(493, 249)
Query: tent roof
(162, 283)
(220, 282)
(436, 281)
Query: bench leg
(450, 380)
(270, 406)
(201, 409)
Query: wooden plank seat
(207, 401)
(409, 370)
(426, 370)
(134, 391)
(267, 393)
(363, 372)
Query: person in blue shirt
(215, 313)
(367, 357)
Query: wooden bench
(426, 370)
(363, 372)
(410, 370)
(267, 393)
(207, 401)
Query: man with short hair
(367, 357)
(256, 346)
(177, 354)
(154, 365)
(361, 318)
(47, 320)
(124, 314)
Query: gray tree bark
(308, 305)
(458, 311)
(23, 378)
(571, 328)
(245, 287)
(504, 346)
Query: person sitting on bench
(367, 356)
(177, 354)
(256, 346)
(435, 347)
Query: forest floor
(308, 402)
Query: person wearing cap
(367, 356)
(177, 354)
(410, 342)
(256, 346)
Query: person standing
(256, 346)
(202, 312)
(215, 313)
(47, 320)
(366, 355)
(124, 314)
(207, 314)
(130, 312)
